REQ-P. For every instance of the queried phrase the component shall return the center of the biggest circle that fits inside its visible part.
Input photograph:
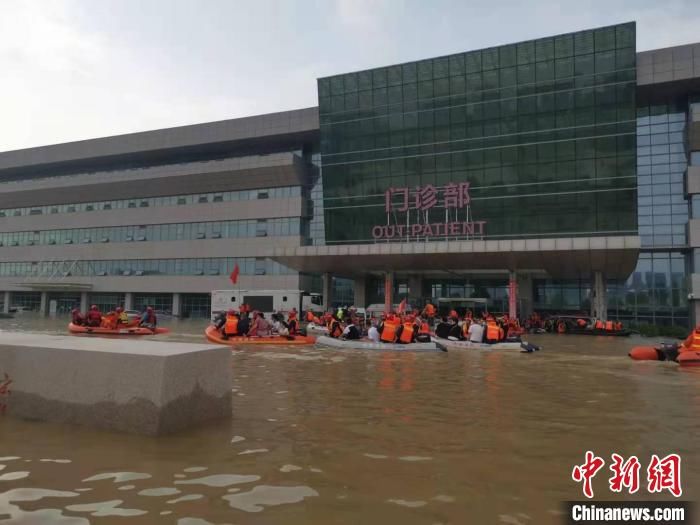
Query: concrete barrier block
(138, 386)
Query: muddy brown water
(328, 437)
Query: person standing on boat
(292, 323)
(429, 313)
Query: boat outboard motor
(669, 351)
(529, 348)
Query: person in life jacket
(390, 329)
(77, 318)
(618, 325)
(581, 323)
(429, 313)
(94, 316)
(231, 328)
(313, 318)
(599, 325)
(292, 323)
(409, 331)
(148, 319)
(609, 326)
(335, 329)
(122, 316)
(493, 332)
(110, 320)
(464, 334)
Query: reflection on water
(462, 437)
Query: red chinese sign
(424, 198)
(4, 391)
(453, 196)
(662, 474)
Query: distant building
(564, 170)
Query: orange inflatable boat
(129, 330)
(647, 353)
(214, 336)
(689, 358)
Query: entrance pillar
(599, 300)
(44, 303)
(512, 295)
(388, 291)
(6, 303)
(83, 301)
(415, 289)
(525, 299)
(177, 301)
(128, 301)
(359, 287)
(327, 291)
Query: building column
(388, 291)
(359, 289)
(599, 300)
(525, 292)
(6, 303)
(327, 291)
(83, 301)
(512, 295)
(44, 304)
(128, 301)
(415, 288)
(176, 305)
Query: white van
(266, 301)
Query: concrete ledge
(138, 386)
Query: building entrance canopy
(561, 258)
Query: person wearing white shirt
(476, 333)
(373, 333)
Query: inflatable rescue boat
(215, 336)
(128, 330)
(366, 344)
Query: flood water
(328, 437)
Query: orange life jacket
(429, 310)
(609, 326)
(109, 321)
(618, 325)
(231, 326)
(424, 328)
(493, 332)
(581, 323)
(309, 317)
(692, 343)
(599, 325)
(334, 329)
(389, 329)
(407, 333)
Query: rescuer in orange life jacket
(494, 333)
(230, 328)
(77, 318)
(409, 330)
(692, 342)
(335, 329)
(292, 322)
(93, 317)
(390, 329)
(429, 313)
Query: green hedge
(652, 330)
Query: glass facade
(161, 302)
(283, 192)
(160, 232)
(543, 131)
(28, 300)
(106, 302)
(142, 267)
(195, 305)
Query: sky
(78, 69)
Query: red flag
(402, 307)
(234, 274)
